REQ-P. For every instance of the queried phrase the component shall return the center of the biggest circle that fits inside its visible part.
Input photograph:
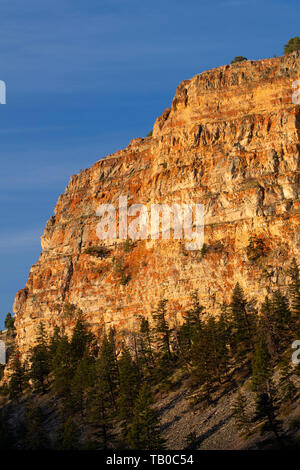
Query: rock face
(230, 141)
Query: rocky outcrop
(229, 141)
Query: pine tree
(68, 438)
(191, 327)
(266, 413)
(63, 369)
(269, 330)
(286, 386)
(54, 342)
(40, 361)
(100, 415)
(243, 323)
(36, 436)
(238, 58)
(81, 339)
(281, 317)
(216, 348)
(9, 322)
(204, 356)
(185, 343)
(128, 390)
(101, 399)
(19, 378)
(294, 291)
(144, 433)
(241, 417)
(162, 334)
(20, 433)
(81, 382)
(146, 348)
(222, 343)
(107, 367)
(162, 330)
(193, 316)
(261, 367)
(276, 323)
(6, 436)
(292, 45)
(225, 323)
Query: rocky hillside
(229, 141)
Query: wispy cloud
(20, 240)
(52, 167)
(235, 3)
(95, 47)
(24, 130)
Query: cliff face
(229, 141)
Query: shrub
(120, 271)
(257, 248)
(294, 424)
(191, 440)
(69, 310)
(128, 245)
(125, 278)
(98, 251)
(101, 270)
(203, 250)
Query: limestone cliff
(229, 141)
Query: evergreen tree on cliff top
(238, 58)
(292, 45)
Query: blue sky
(85, 77)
